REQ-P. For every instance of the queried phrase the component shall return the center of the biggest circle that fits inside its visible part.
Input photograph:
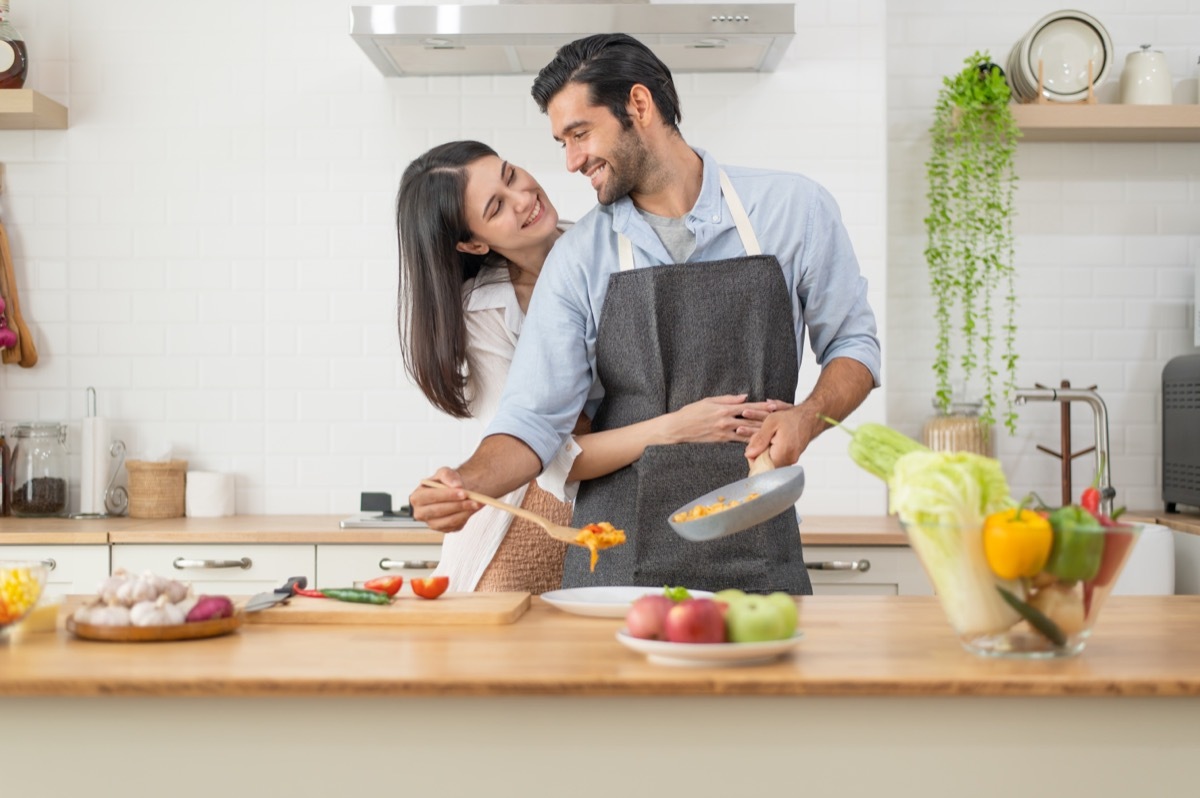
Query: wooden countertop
(853, 646)
(871, 530)
(1181, 522)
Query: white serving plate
(606, 601)
(709, 655)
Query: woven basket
(156, 490)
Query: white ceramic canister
(1146, 80)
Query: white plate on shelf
(604, 602)
(710, 655)
(1064, 42)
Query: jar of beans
(40, 469)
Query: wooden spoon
(564, 533)
(28, 352)
(762, 464)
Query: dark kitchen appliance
(1181, 432)
(381, 503)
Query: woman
(474, 231)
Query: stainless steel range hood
(522, 37)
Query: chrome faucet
(1099, 413)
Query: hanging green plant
(969, 250)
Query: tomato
(430, 588)
(385, 584)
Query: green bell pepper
(1078, 544)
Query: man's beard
(627, 167)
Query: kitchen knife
(279, 595)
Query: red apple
(646, 617)
(695, 621)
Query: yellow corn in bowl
(21, 584)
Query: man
(688, 280)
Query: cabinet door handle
(50, 563)
(182, 563)
(862, 566)
(407, 565)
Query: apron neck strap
(749, 240)
(736, 210)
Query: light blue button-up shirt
(796, 220)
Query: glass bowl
(1050, 614)
(21, 584)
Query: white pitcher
(1146, 79)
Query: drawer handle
(182, 563)
(50, 563)
(862, 566)
(407, 565)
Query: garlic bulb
(111, 615)
(159, 612)
(109, 587)
(135, 591)
(185, 605)
(176, 591)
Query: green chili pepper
(1037, 619)
(1078, 544)
(356, 594)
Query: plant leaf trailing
(969, 247)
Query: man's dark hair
(609, 64)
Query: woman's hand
(758, 411)
(715, 419)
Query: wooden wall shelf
(25, 109)
(1084, 122)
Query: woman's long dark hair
(430, 221)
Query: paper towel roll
(94, 471)
(209, 494)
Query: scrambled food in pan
(702, 510)
(599, 536)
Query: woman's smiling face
(507, 210)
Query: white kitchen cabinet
(73, 568)
(866, 571)
(350, 564)
(223, 568)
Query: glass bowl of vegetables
(1025, 583)
(21, 584)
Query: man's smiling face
(613, 158)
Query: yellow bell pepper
(1017, 542)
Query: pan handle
(862, 566)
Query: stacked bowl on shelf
(1064, 42)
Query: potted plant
(969, 249)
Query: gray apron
(669, 336)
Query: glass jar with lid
(39, 469)
(958, 430)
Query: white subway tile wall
(211, 245)
(1108, 238)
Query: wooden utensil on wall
(24, 353)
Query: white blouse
(494, 320)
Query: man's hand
(843, 385)
(443, 509)
(499, 465)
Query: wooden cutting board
(449, 608)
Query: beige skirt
(528, 559)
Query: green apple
(787, 608)
(754, 619)
(729, 595)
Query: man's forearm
(843, 385)
(500, 464)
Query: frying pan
(778, 490)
